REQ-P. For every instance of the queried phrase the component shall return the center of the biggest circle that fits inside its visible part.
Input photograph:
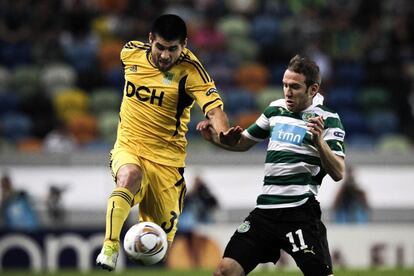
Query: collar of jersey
(150, 59)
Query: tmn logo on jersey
(288, 134)
(144, 94)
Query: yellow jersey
(156, 105)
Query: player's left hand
(206, 130)
(315, 127)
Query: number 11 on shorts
(301, 240)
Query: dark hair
(170, 27)
(307, 67)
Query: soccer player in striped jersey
(306, 142)
(163, 79)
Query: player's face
(165, 53)
(298, 97)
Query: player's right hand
(232, 136)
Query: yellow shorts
(162, 190)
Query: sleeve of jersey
(202, 89)
(334, 135)
(259, 130)
(128, 49)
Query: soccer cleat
(108, 256)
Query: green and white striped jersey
(293, 170)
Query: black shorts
(299, 231)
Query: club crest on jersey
(244, 227)
(168, 77)
(288, 134)
(211, 91)
(307, 115)
(133, 68)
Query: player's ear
(314, 88)
(185, 42)
(150, 38)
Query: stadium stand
(243, 46)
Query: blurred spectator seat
(108, 55)
(80, 51)
(5, 77)
(345, 40)
(245, 49)
(237, 29)
(26, 80)
(239, 101)
(252, 77)
(246, 119)
(349, 72)
(29, 145)
(234, 26)
(342, 97)
(57, 76)
(265, 29)
(9, 102)
(83, 127)
(110, 6)
(208, 37)
(69, 102)
(107, 125)
(242, 6)
(298, 6)
(268, 95)
(222, 74)
(104, 99)
(276, 73)
(103, 26)
(115, 77)
(59, 140)
(394, 143)
(6, 145)
(15, 126)
(353, 121)
(382, 122)
(39, 108)
(374, 98)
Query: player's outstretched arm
(232, 139)
(218, 120)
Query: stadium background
(61, 83)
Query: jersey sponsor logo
(144, 93)
(339, 134)
(288, 134)
(211, 91)
(134, 68)
(168, 77)
(244, 227)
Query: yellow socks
(119, 205)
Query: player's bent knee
(129, 176)
(229, 267)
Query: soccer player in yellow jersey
(163, 79)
